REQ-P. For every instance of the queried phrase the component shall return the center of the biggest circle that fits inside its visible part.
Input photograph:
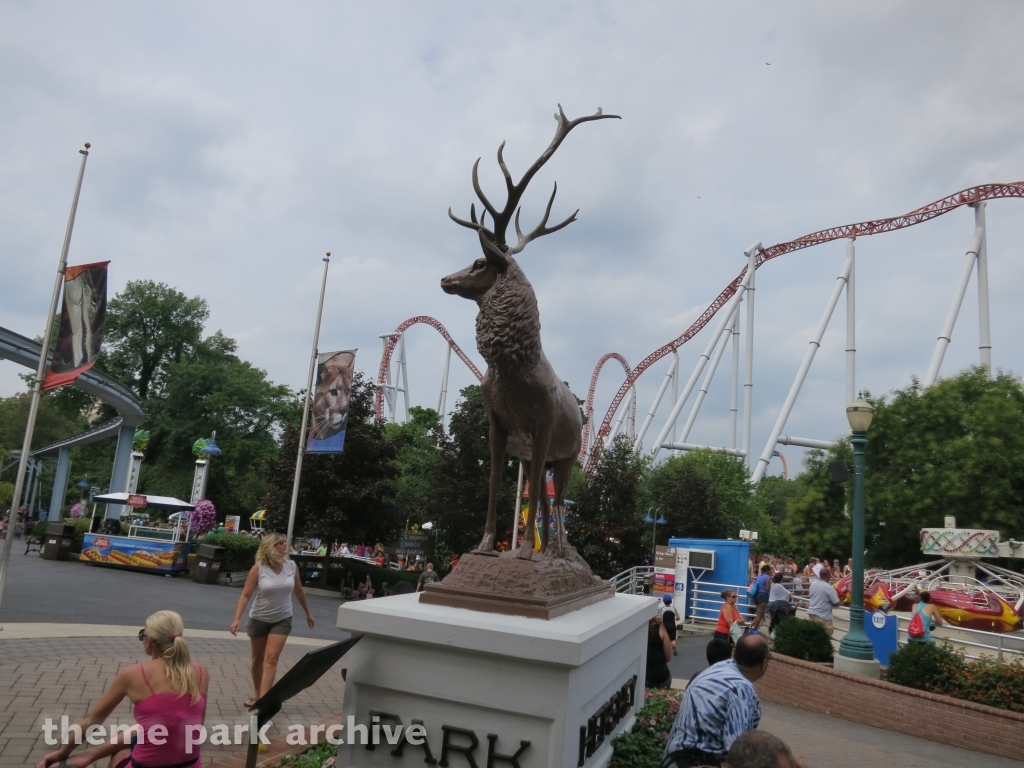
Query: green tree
(956, 448)
(52, 424)
(418, 457)
(149, 327)
(349, 496)
(705, 494)
(817, 521)
(774, 493)
(458, 503)
(213, 390)
(607, 525)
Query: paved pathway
(84, 621)
(50, 677)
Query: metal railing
(636, 581)
(975, 643)
(705, 601)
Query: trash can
(57, 541)
(208, 562)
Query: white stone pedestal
(481, 684)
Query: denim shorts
(257, 629)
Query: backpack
(916, 629)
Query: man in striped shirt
(720, 706)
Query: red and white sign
(136, 500)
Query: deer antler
(541, 229)
(515, 191)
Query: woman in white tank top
(274, 579)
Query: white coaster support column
(748, 373)
(851, 323)
(805, 366)
(444, 383)
(734, 403)
(404, 373)
(954, 307)
(727, 313)
(984, 332)
(670, 376)
(707, 379)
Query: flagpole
(37, 385)
(305, 406)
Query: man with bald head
(760, 749)
(720, 706)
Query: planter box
(893, 707)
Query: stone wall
(821, 689)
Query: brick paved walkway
(66, 676)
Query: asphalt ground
(72, 592)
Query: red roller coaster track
(590, 396)
(863, 229)
(385, 361)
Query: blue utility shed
(731, 564)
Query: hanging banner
(329, 412)
(81, 323)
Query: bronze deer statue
(531, 412)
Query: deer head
(477, 279)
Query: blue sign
(883, 631)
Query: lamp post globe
(856, 645)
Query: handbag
(736, 630)
(752, 589)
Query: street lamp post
(855, 645)
(654, 523)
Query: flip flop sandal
(250, 702)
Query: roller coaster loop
(590, 396)
(878, 226)
(385, 361)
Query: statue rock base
(542, 587)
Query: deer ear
(495, 256)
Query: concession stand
(158, 548)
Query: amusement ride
(968, 591)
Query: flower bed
(321, 756)
(644, 745)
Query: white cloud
(235, 143)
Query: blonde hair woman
(168, 691)
(274, 578)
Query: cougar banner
(329, 414)
(81, 323)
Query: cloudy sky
(234, 143)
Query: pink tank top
(175, 713)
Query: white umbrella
(156, 502)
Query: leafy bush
(321, 756)
(80, 524)
(644, 745)
(936, 668)
(77, 510)
(241, 550)
(803, 639)
(925, 666)
(995, 683)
